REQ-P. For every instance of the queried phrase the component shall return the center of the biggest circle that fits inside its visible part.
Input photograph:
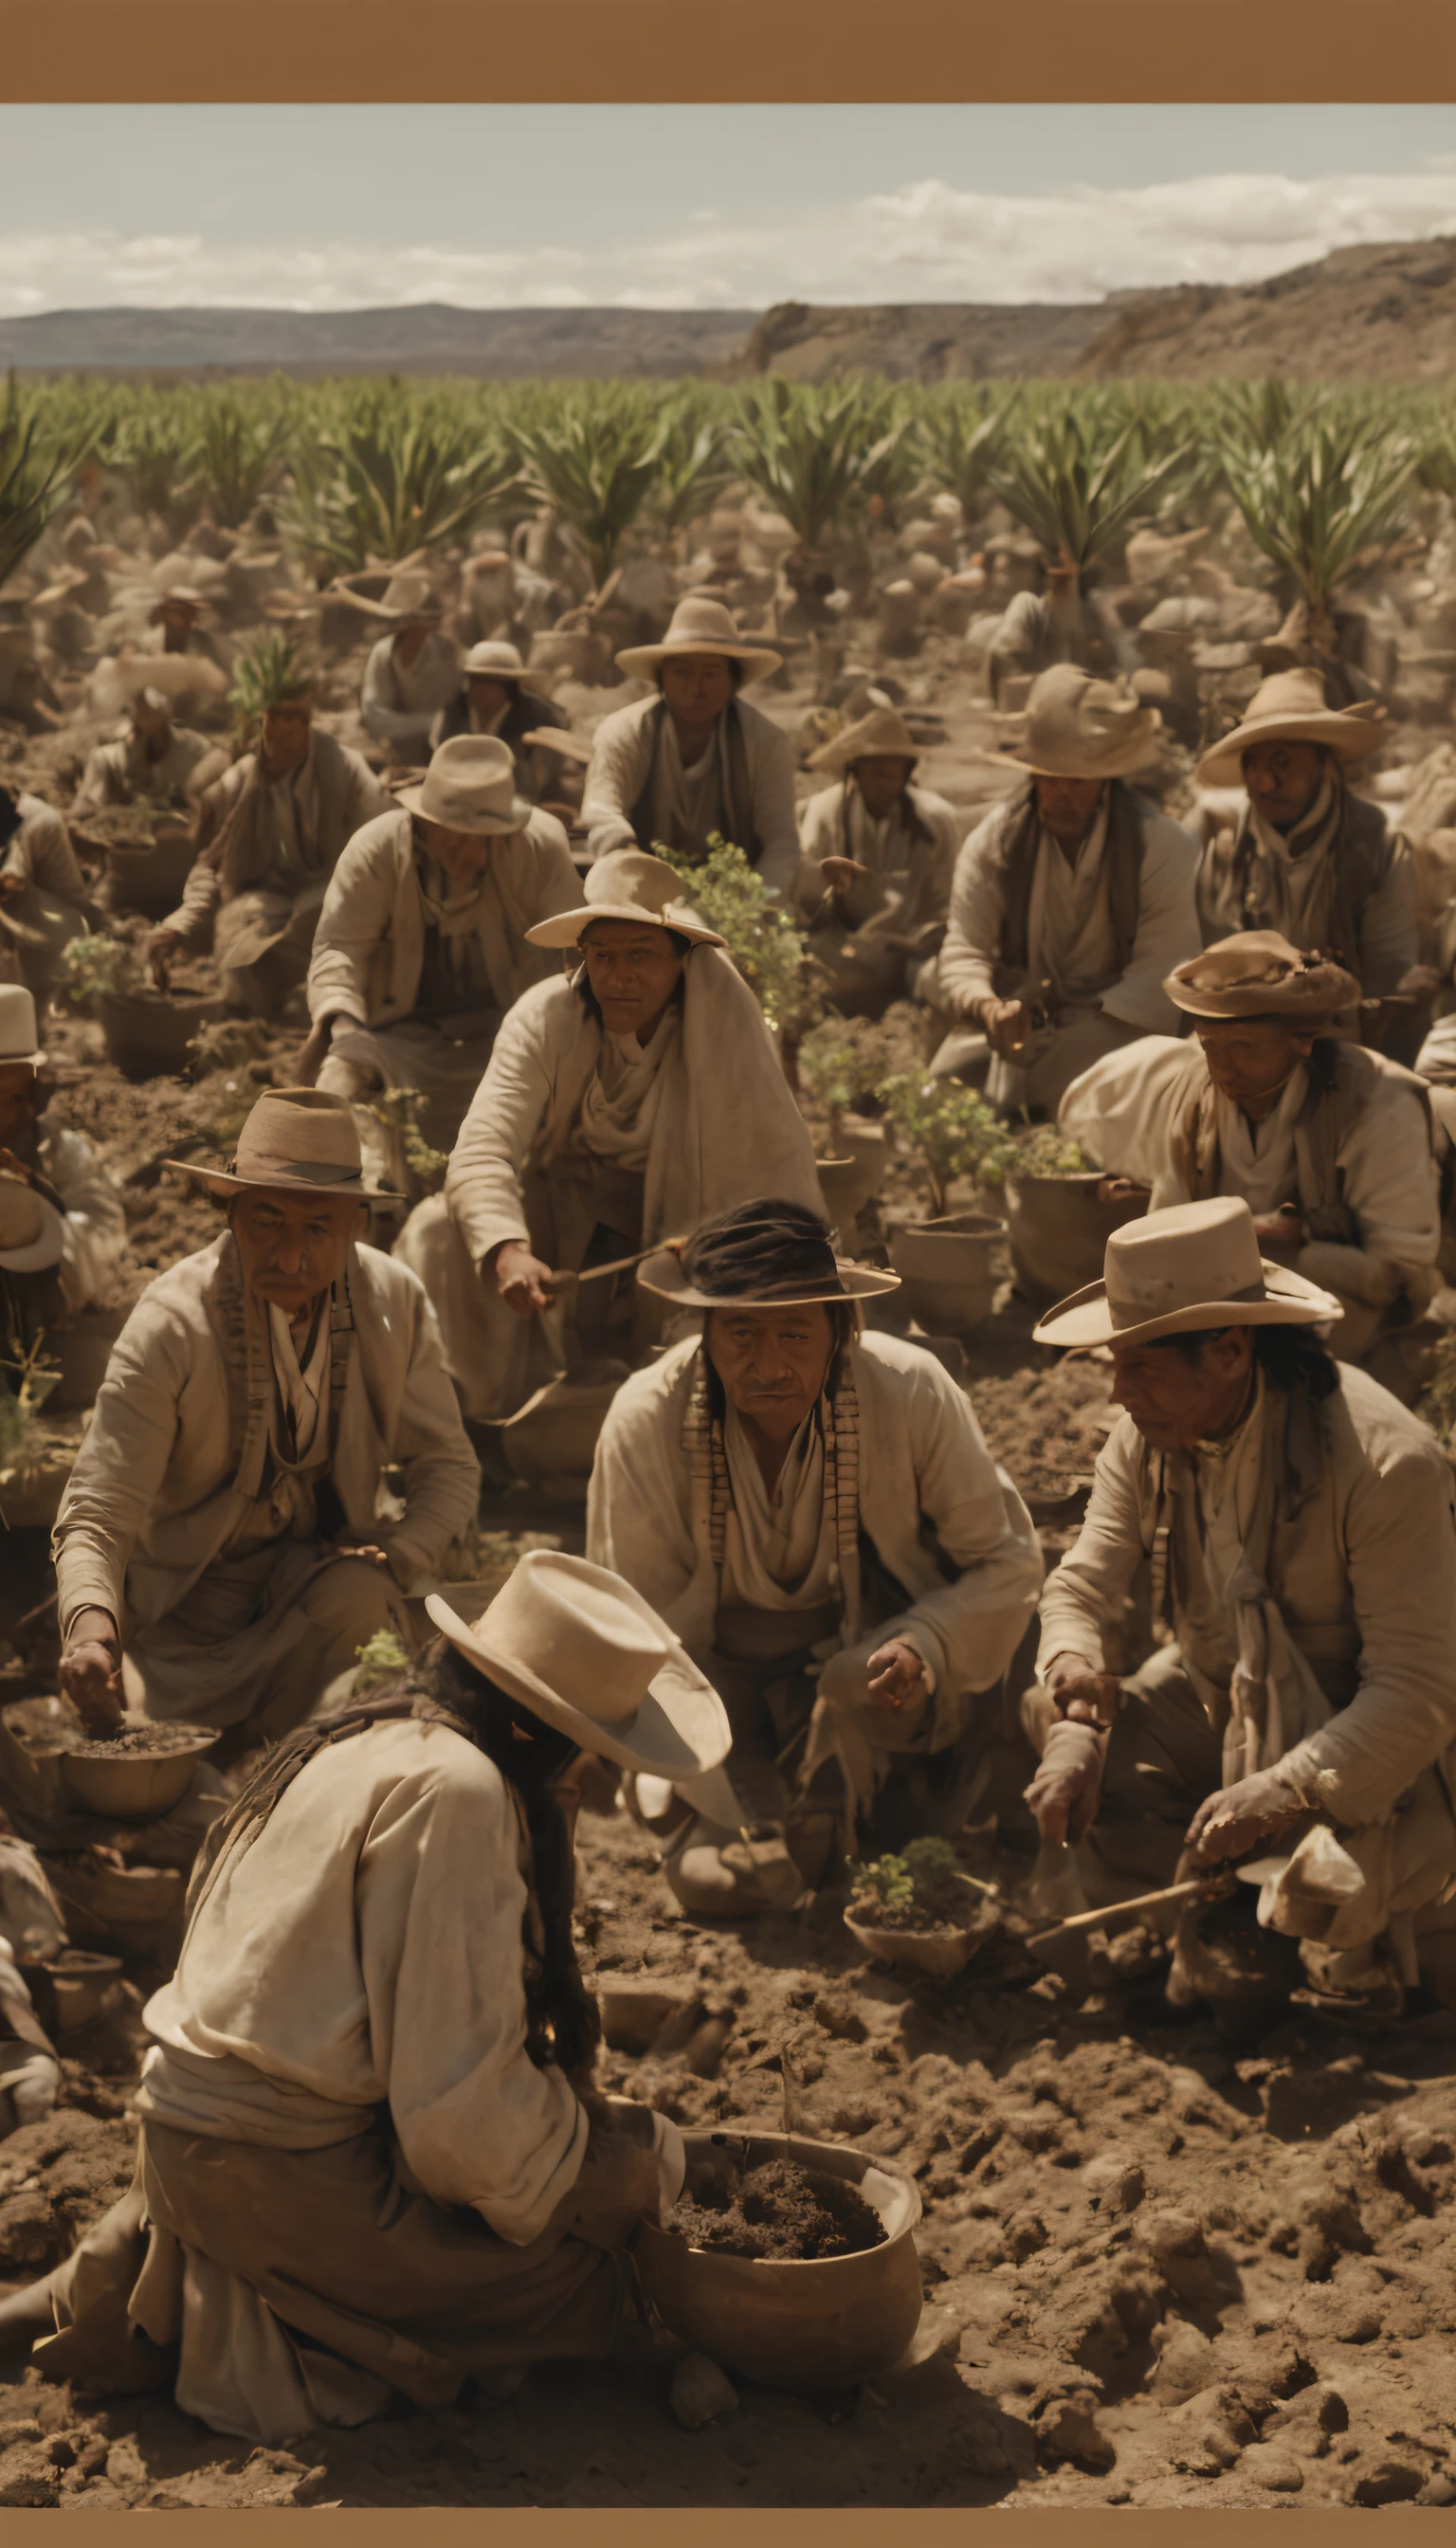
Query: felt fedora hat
(19, 1034)
(294, 1137)
(1077, 727)
(1290, 707)
(759, 1258)
(407, 599)
(884, 733)
(627, 884)
(496, 660)
(702, 626)
(32, 1231)
(1194, 1265)
(470, 786)
(585, 1652)
(1257, 974)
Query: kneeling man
(1302, 1533)
(806, 1503)
(227, 1543)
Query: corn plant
(1077, 489)
(238, 456)
(35, 472)
(271, 671)
(1320, 496)
(389, 479)
(597, 457)
(960, 435)
(819, 455)
(952, 1131)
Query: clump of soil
(1048, 1426)
(151, 1741)
(781, 2212)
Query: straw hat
(177, 596)
(702, 626)
(1196, 1265)
(627, 884)
(1260, 974)
(1080, 728)
(561, 1624)
(407, 599)
(555, 738)
(470, 786)
(758, 1259)
(18, 1029)
(32, 1231)
(495, 660)
(294, 1137)
(883, 732)
(1290, 707)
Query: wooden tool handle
(1170, 1894)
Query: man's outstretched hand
(91, 1671)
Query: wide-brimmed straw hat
(1290, 707)
(495, 660)
(1257, 974)
(702, 626)
(470, 786)
(405, 598)
(19, 1034)
(764, 1256)
(583, 1652)
(882, 733)
(32, 1231)
(1194, 1265)
(627, 884)
(1077, 727)
(294, 1139)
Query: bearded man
(1070, 903)
(269, 836)
(813, 1509)
(1302, 1530)
(227, 1541)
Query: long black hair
(1290, 1358)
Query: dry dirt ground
(1162, 2267)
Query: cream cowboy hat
(470, 786)
(1260, 974)
(700, 626)
(32, 1231)
(803, 1267)
(407, 599)
(560, 1624)
(18, 1028)
(295, 1139)
(627, 884)
(1080, 728)
(882, 733)
(495, 660)
(1290, 707)
(1196, 1265)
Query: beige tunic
(397, 701)
(907, 890)
(117, 774)
(621, 758)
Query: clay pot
(824, 2325)
(79, 1983)
(150, 880)
(147, 1037)
(940, 1953)
(948, 1275)
(133, 1786)
(855, 1171)
(1059, 1228)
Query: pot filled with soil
(855, 1169)
(787, 2260)
(922, 1910)
(1060, 1212)
(947, 1269)
(138, 1773)
(147, 1032)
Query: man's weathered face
(488, 697)
(462, 855)
(287, 731)
(1175, 1402)
(18, 1094)
(153, 725)
(882, 777)
(1252, 1057)
(773, 1363)
(633, 970)
(1068, 807)
(697, 688)
(293, 1244)
(1283, 780)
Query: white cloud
(926, 241)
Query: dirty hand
(11, 1166)
(1084, 1696)
(1254, 1809)
(524, 1281)
(842, 873)
(1007, 1025)
(314, 1054)
(366, 1549)
(1065, 1792)
(896, 1675)
(160, 949)
(1281, 1233)
(90, 1671)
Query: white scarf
(1259, 1160)
(1292, 885)
(780, 1549)
(1274, 1698)
(626, 1091)
(1069, 934)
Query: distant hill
(1362, 313)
